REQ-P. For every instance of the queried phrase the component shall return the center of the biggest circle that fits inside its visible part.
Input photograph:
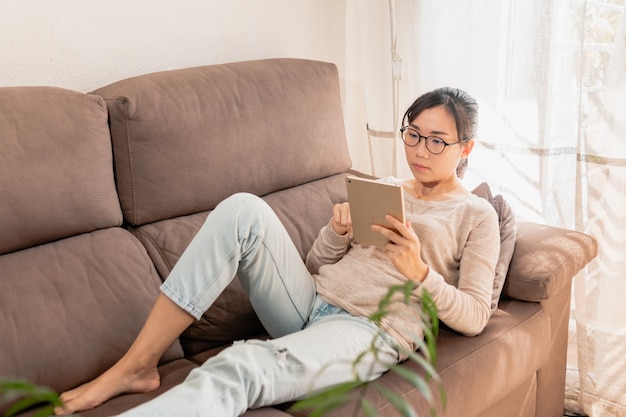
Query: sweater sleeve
(466, 306)
(328, 248)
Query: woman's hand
(404, 249)
(341, 221)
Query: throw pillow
(508, 233)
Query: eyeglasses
(434, 144)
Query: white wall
(85, 44)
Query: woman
(316, 311)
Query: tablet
(369, 202)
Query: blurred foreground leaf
(334, 397)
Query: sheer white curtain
(550, 77)
(600, 308)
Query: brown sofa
(101, 192)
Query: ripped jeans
(314, 343)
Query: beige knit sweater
(460, 243)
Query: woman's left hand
(404, 249)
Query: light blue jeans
(314, 343)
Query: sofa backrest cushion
(56, 166)
(303, 210)
(186, 139)
(71, 308)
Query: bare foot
(110, 384)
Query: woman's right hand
(341, 221)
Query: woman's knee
(246, 204)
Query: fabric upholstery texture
(186, 139)
(231, 317)
(499, 354)
(543, 260)
(523, 396)
(75, 307)
(55, 166)
(475, 371)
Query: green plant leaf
(429, 307)
(21, 405)
(443, 396)
(29, 395)
(431, 346)
(403, 407)
(328, 404)
(327, 400)
(45, 412)
(426, 313)
(423, 363)
(368, 409)
(424, 348)
(415, 380)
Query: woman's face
(429, 168)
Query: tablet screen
(369, 202)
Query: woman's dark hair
(461, 106)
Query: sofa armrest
(545, 259)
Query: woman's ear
(466, 149)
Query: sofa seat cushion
(186, 139)
(231, 317)
(56, 166)
(172, 373)
(477, 371)
(515, 344)
(71, 308)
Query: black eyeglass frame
(426, 140)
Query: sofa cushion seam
(130, 160)
(156, 247)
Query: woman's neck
(435, 192)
